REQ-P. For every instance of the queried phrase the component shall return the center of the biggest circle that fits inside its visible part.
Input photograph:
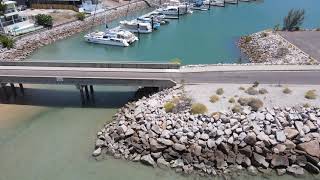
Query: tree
(44, 20)
(6, 41)
(3, 7)
(293, 20)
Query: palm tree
(293, 20)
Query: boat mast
(94, 14)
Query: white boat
(114, 37)
(214, 2)
(136, 26)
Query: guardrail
(137, 65)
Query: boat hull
(110, 42)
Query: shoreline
(26, 45)
(282, 139)
(270, 47)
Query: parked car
(21, 7)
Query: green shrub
(263, 91)
(198, 108)
(219, 91)
(255, 84)
(242, 88)
(247, 39)
(276, 27)
(81, 16)
(7, 42)
(264, 34)
(255, 104)
(311, 94)
(306, 105)
(214, 98)
(232, 100)
(236, 108)
(252, 91)
(287, 90)
(176, 61)
(169, 106)
(44, 20)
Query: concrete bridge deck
(85, 77)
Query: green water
(56, 141)
(203, 37)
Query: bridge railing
(137, 65)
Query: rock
(179, 147)
(211, 143)
(251, 138)
(162, 163)
(155, 146)
(243, 160)
(165, 134)
(246, 151)
(129, 132)
(312, 168)
(299, 127)
(166, 142)
(281, 137)
(313, 117)
(204, 136)
(269, 117)
(122, 129)
(97, 152)
(156, 129)
(190, 135)
(260, 116)
(147, 160)
(178, 163)
(99, 143)
(312, 148)
(260, 160)
(279, 161)
(156, 155)
(295, 170)
(252, 170)
(281, 172)
(291, 132)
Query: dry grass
(252, 91)
(232, 100)
(287, 90)
(242, 88)
(219, 91)
(243, 101)
(255, 84)
(255, 104)
(263, 91)
(236, 108)
(311, 94)
(198, 108)
(306, 105)
(214, 98)
(169, 106)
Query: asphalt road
(236, 77)
(307, 41)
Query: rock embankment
(284, 139)
(269, 47)
(26, 45)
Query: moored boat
(114, 37)
(136, 26)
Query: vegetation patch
(252, 91)
(306, 105)
(255, 104)
(287, 90)
(247, 39)
(81, 16)
(198, 108)
(293, 20)
(44, 20)
(243, 101)
(242, 88)
(219, 91)
(232, 100)
(169, 106)
(263, 91)
(264, 34)
(255, 84)
(237, 108)
(214, 98)
(311, 94)
(7, 42)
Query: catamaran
(114, 37)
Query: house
(11, 21)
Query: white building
(12, 23)
(91, 6)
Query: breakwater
(26, 45)
(284, 139)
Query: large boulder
(291, 132)
(295, 170)
(251, 138)
(312, 148)
(147, 160)
(279, 161)
(179, 147)
(259, 160)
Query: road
(66, 75)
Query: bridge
(148, 75)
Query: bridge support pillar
(3, 86)
(92, 93)
(87, 92)
(21, 88)
(13, 89)
(82, 95)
